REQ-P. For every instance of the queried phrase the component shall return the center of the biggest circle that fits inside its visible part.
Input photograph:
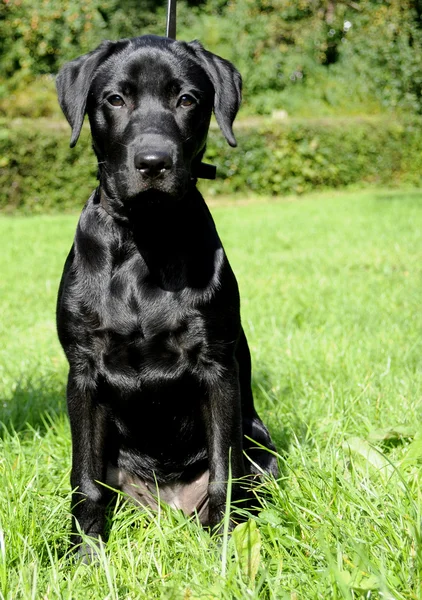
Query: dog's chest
(147, 331)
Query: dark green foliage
(38, 36)
(39, 172)
(305, 155)
(333, 56)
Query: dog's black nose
(153, 164)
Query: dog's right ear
(73, 83)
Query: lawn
(331, 295)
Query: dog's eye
(186, 100)
(115, 100)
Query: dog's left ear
(227, 84)
(73, 83)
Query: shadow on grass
(30, 404)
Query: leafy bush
(337, 57)
(32, 99)
(39, 172)
(38, 36)
(302, 155)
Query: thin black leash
(171, 19)
(203, 170)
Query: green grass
(331, 289)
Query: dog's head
(149, 101)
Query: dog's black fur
(159, 390)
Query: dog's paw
(263, 462)
(88, 554)
(88, 550)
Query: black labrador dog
(159, 393)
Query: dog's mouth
(169, 187)
(152, 197)
(132, 186)
(134, 208)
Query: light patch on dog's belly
(190, 497)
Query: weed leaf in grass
(271, 516)
(365, 456)
(414, 451)
(247, 543)
(411, 463)
(393, 435)
(358, 581)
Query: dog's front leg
(223, 423)
(88, 422)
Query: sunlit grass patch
(331, 293)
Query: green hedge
(39, 172)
